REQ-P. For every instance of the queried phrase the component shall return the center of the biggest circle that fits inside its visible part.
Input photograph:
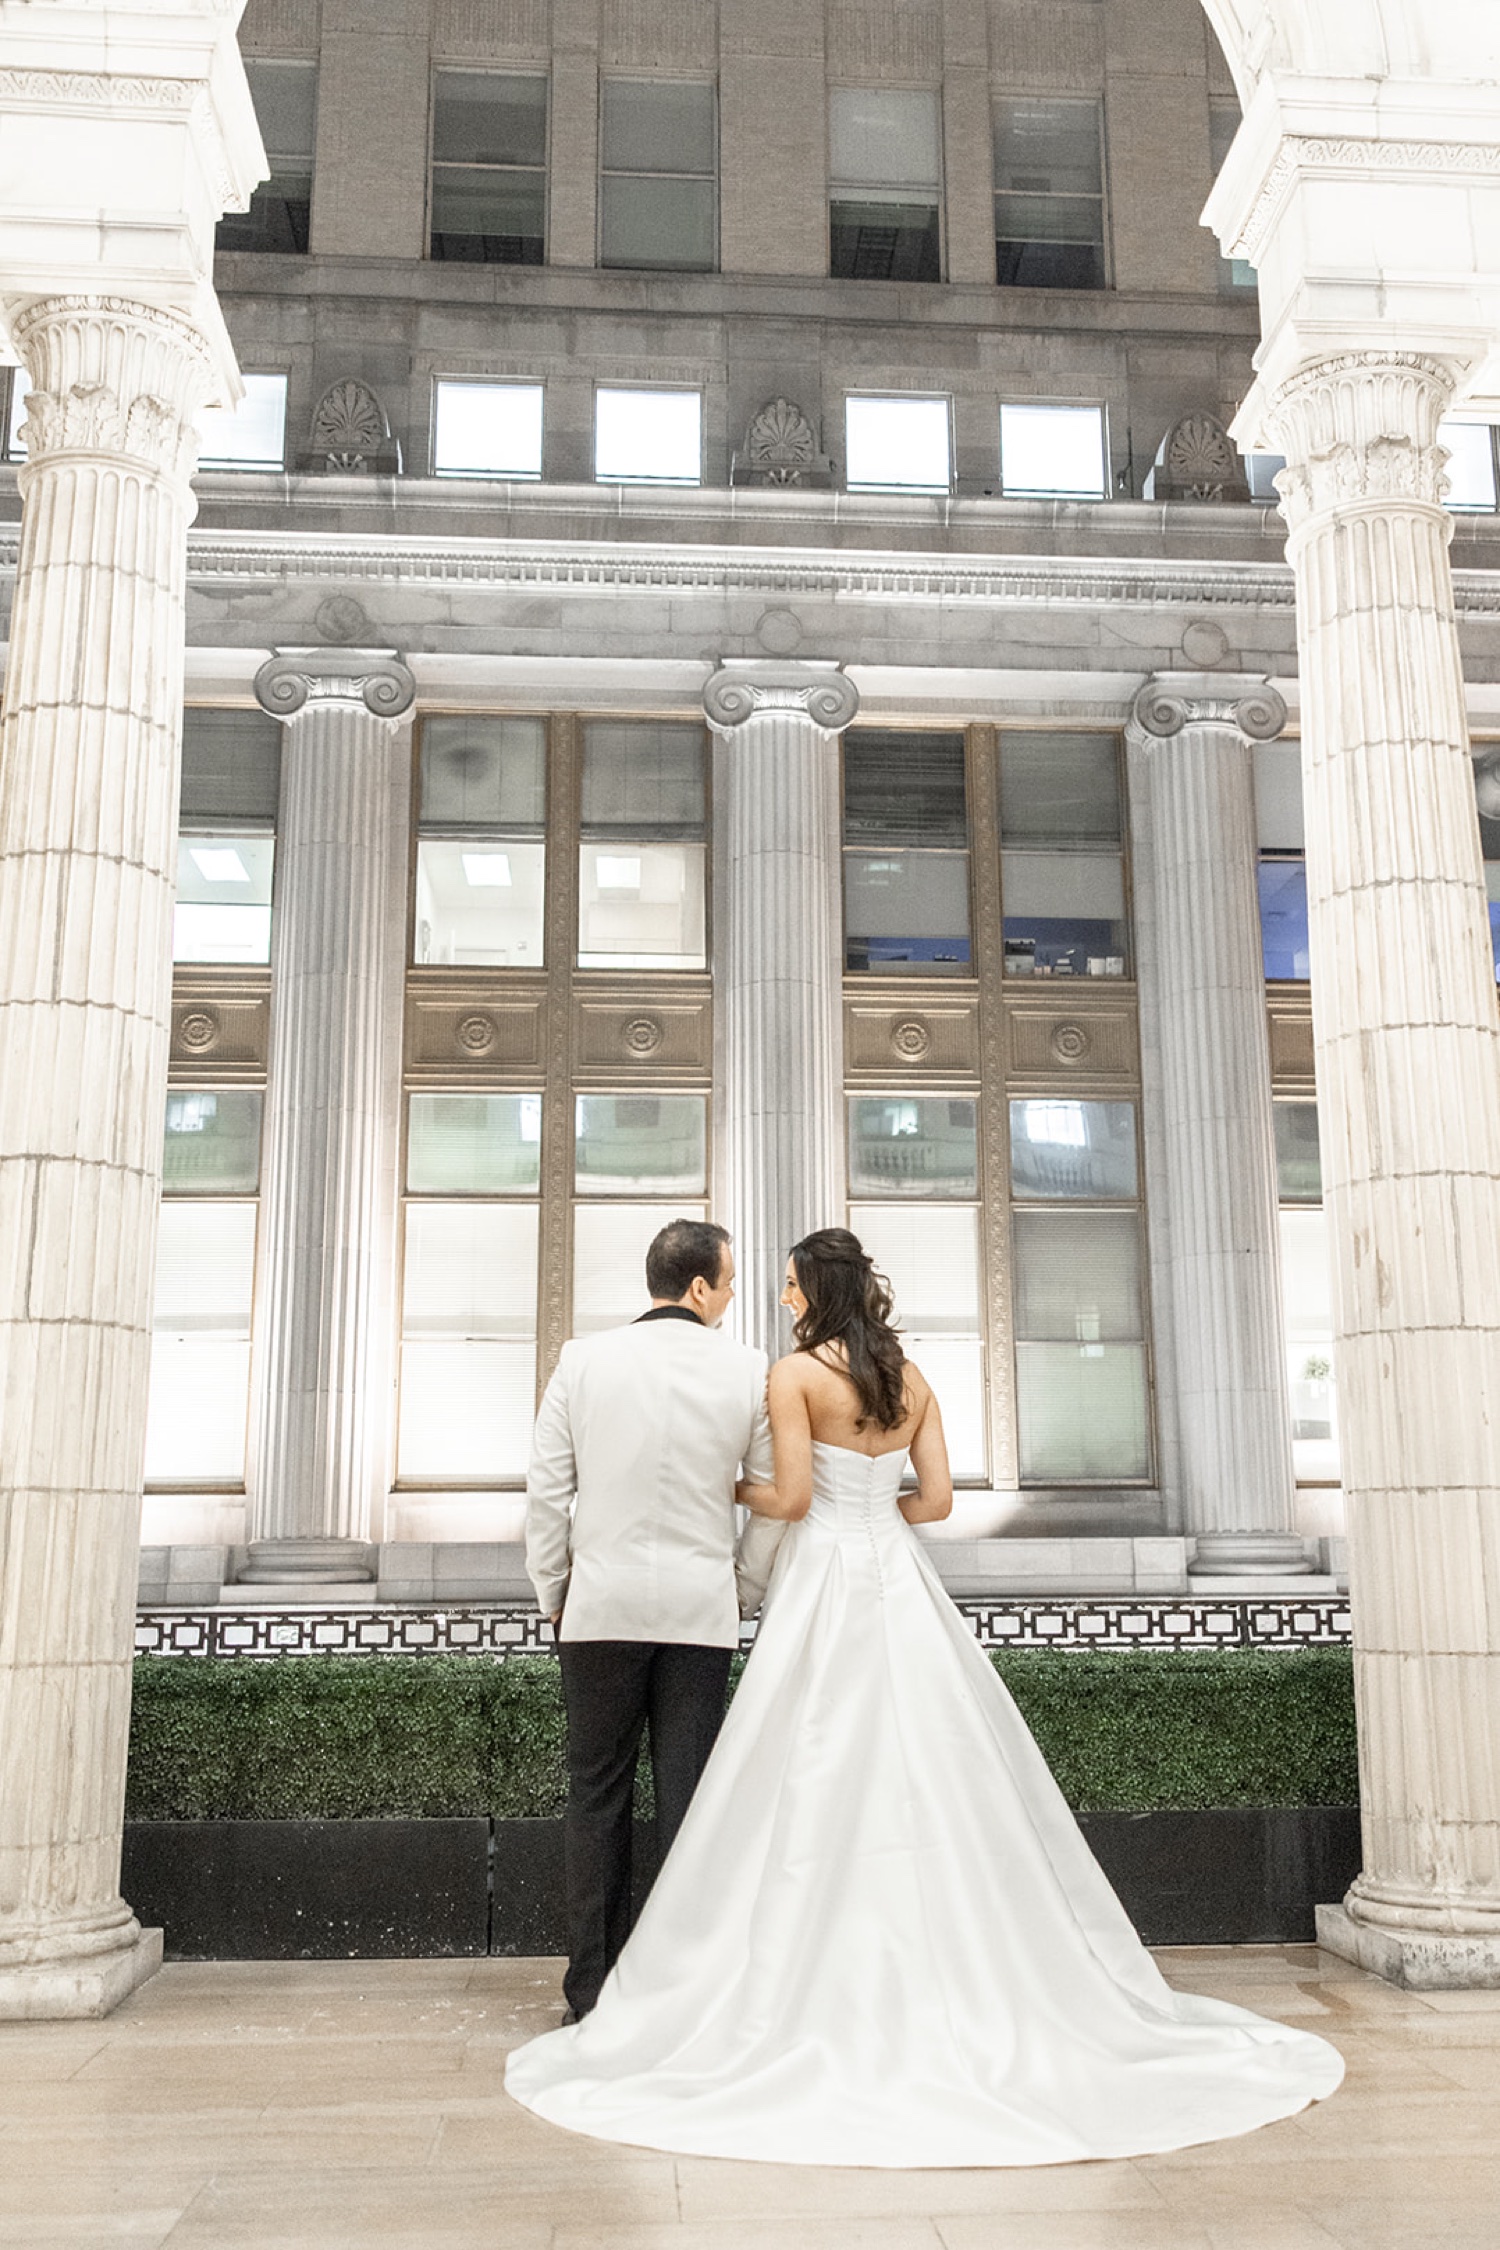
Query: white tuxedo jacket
(630, 1519)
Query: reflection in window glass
(642, 860)
(1307, 1304)
(658, 179)
(641, 1144)
(930, 1255)
(212, 1143)
(1049, 194)
(200, 1346)
(468, 1353)
(487, 430)
(1080, 1347)
(1281, 886)
(1062, 873)
(1066, 1151)
(481, 851)
(223, 910)
(906, 862)
(251, 435)
(473, 1144)
(1053, 451)
(1487, 804)
(489, 179)
(648, 437)
(919, 1145)
(610, 1241)
(897, 444)
(1299, 1166)
(884, 170)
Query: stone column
(778, 966)
(1408, 1059)
(1203, 1014)
(89, 754)
(321, 1462)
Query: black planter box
(305, 1890)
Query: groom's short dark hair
(684, 1249)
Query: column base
(94, 1984)
(308, 1562)
(1249, 1554)
(1416, 1960)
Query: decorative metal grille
(513, 1630)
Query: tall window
(929, 1251)
(1487, 804)
(285, 95)
(489, 167)
(481, 827)
(1062, 867)
(906, 853)
(205, 1265)
(1235, 274)
(1281, 869)
(640, 1159)
(1081, 1382)
(1049, 194)
(643, 849)
(885, 184)
(231, 769)
(1307, 1296)
(658, 182)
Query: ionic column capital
(742, 690)
(1171, 701)
(373, 678)
(112, 379)
(1360, 429)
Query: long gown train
(880, 1938)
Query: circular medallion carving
(1070, 1043)
(476, 1034)
(910, 1040)
(1205, 643)
(641, 1036)
(198, 1030)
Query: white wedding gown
(880, 1938)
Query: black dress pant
(611, 1691)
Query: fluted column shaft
(321, 1458)
(89, 755)
(778, 967)
(1408, 1058)
(1203, 1009)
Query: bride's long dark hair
(849, 1303)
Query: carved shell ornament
(780, 443)
(349, 424)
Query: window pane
(648, 435)
(643, 778)
(1278, 796)
(658, 125)
(1062, 1151)
(212, 1143)
(641, 906)
(473, 1144)
(1082, 1412)
(223, 910)
(877, 236)
(1078, 1277)
(1299, 1164)
(641, 1144)
(924, 1146)
(468, 1361)
(1060, 789)
(904, 788)
(930, 1255)
(1048, 147)
(1282, 885)
(896, 442)
(20, 391)
(489, 117)
(481, 217)
(285, 95)
(1261, 472)
(657, 222)
(1471, 465)
(231, 765)
(907, 911)
(479, 903)
(1053, 245)
(470, 1270)
(200, 1350)
(1053, 449)
(610, 1241)
(1064, 914)
(251, 435)
(1307, 1300)
(879, 138)
(485, 772)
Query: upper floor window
(643, 845)
(1049, 194)
(1062, 862)
(1471, 465)
(906, 853)
(1281, 870)
(251, 435)
(285, 95)
(658, 178)
(1223, 123)
(648, 436)
(897, 444)
(481, 829)
(231, 769)
(487, 429)
(20, 392)
(489, 167)
(1056, 452)
(885, 191)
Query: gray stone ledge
(1416, 1960)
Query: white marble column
(89, 753)
(1408, 1059)
(1203, 1018)
(321, 1463)
(778, 967)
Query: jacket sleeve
(754, 1560)
(759, 1462)
(551, 1487)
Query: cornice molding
(1347, 157)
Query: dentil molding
(374, 677)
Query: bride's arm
(791, 1436)
(933, 1498)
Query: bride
(880, 1938)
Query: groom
(630, 1528)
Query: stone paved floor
(358, 2106)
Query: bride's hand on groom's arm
(761, 1500)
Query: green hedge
(346, 1738)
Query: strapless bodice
(855, 1492)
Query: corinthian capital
(375, 678)
(750, 690)
(1174, 700)
(113, 378)
(1361, 428)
